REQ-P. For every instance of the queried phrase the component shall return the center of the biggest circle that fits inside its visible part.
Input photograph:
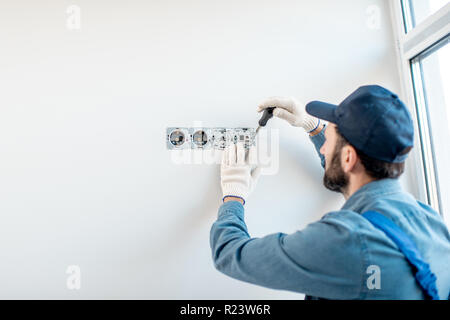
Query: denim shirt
(341, 256)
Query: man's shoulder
(345, 218)
(396, 206)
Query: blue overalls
(424, 276)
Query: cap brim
(322, 110)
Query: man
(344, 255)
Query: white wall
(85, 177)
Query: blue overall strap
(424, 276)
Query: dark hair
(375, 168)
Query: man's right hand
(291, 110)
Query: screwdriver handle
(268, 113)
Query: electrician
(382, 243)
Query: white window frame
(410, 43)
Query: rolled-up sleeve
(323, 260)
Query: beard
(334, 178)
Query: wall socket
(208, 138)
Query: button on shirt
(341, 256)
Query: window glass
(421, 9)
(435, 76)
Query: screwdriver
(268, 113)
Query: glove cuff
(234, 197)
(311, 123)
(234, 190)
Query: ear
(349, 158)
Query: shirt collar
(369, 191)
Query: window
(418, 10)
(422, 29)
(431, 79)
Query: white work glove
(239, 172)
(291, 110)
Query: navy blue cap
(373, 119)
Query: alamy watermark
(374, 279)
(73, 21)
(73, 281)
(266, 156)
(373, 21)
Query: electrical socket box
(179, 138)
